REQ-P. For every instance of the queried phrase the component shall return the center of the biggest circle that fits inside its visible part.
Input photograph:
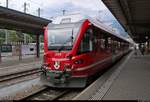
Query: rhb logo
(57, 64)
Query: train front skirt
(62, 80)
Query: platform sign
(6, 48)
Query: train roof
(76, 18)
(106, 28)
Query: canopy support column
(37, 46)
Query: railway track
(48, 94)
(53, 94)
(10, 79)
(19, 74)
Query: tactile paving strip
(105, 87)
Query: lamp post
(6, 3)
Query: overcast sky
(51, 8)
(54, 7)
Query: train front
(59, 40)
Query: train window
(113, 48)
(95, 36)
(86, 42)
(102, 45)
(109, 42)
(102, 41)
(118, 44)
(106, 42)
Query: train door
(85, 50)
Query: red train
(73, 52)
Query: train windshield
(62, 37)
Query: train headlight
(80, 61)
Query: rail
(19, 74)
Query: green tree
(13, 37)
(2, 36)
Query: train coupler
(58, 76)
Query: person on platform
(142, 50)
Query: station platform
(14, 60)
(133, 83)
(128, 81)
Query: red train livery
(73, 52)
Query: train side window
(113, 47)
(102, 41)
(109, 43)
(95, 38)
(86, 44)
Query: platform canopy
(15, 20)
(133, 15)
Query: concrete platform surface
(14, 60)
(129, 79)
(133, 82)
